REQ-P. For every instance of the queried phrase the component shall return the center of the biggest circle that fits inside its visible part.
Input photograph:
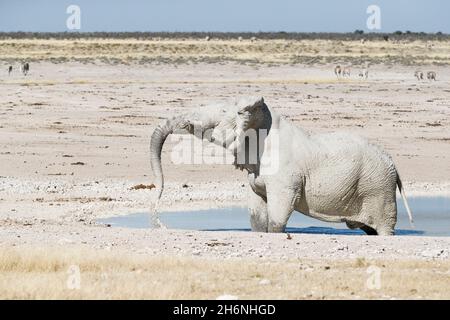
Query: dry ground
(75, 135)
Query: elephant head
(247, 113)
(250, 122)
(221, 124)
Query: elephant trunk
(187, 123)
(158, 138)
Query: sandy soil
(75, 137)
(75, 140)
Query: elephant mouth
(224, 140)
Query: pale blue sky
(225, 15)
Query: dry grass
(193, 50)
(32, 273)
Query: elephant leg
(387, 226)
(355, 225)
(369, 231)
(257, 208)
(380, 215)
(280, 205)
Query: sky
(225, 15)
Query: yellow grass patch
(76, 272)
(261, 51)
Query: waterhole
(431, 218)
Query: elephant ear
(250, 104)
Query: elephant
(334, 177)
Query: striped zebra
(25, 68)
(337, 71)
(419, 75)
(431, 75)
(346, 72)
(364, 74)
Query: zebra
(419, 75)
(364, 74)
(431, 75)
(346, 71)
(337, 71)
(10, 69)
(25, 68)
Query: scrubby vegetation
(357, 35)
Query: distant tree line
(356, 35)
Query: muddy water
(431, 218)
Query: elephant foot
(258, 222)
(258, 227)
(386, 231)
(276, 228)
(353, 225)
(369, 231)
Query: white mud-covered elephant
(334, 177)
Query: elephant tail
(402, 193)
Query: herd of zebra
(364, 73)
(431, 75)
(24, 68)
(338, 71)
(345, 72)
